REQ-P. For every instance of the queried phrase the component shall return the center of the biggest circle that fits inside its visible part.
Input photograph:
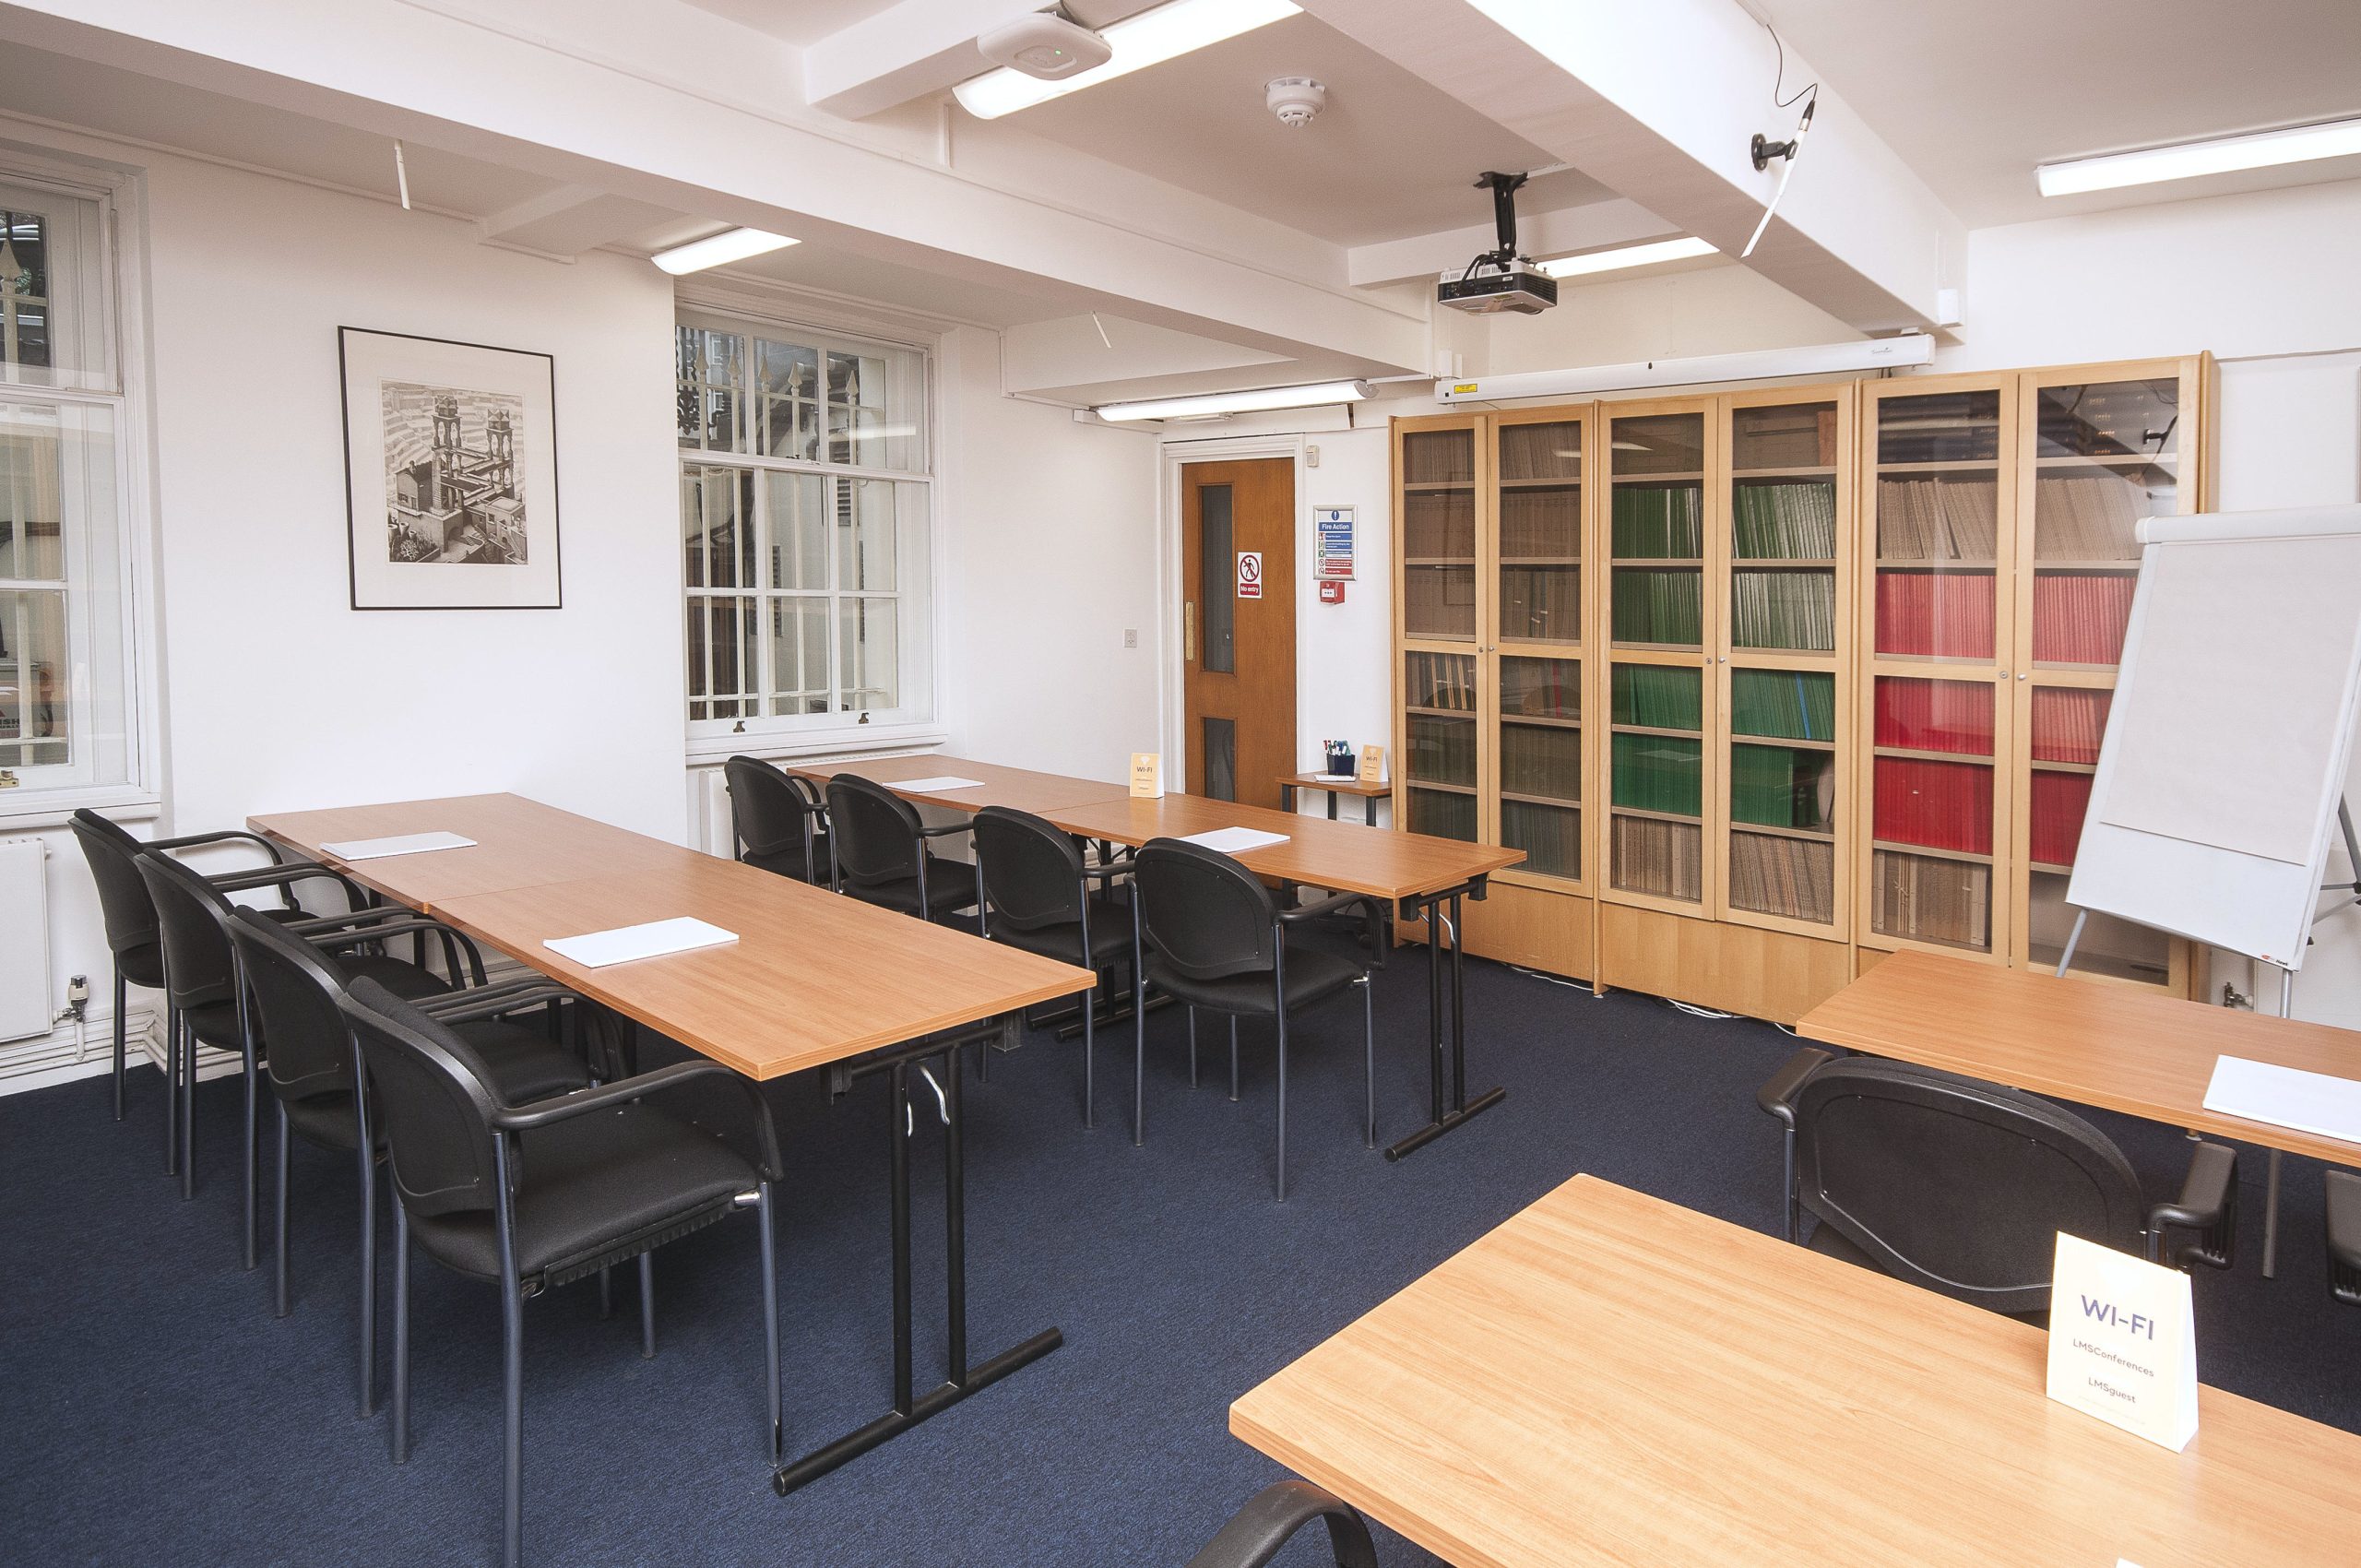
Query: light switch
(1131, 636)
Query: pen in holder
(1340, 759)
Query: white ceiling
(797, 22)
(1973, 97)
(1390, 156)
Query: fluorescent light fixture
(720, 250)
(1255, 401)
(1818, 359)
(1148, 38)
(1627, 255)
(2259, 150)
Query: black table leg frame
(962, 1380)
(1451, 1105)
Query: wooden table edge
(1458, 1554)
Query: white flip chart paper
(598, 948)
(401, 844)
(1235, 840)
(2286, 1096)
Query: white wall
(275, 695)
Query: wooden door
(1238, 628)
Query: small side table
(1334, 786)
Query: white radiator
(24, 939)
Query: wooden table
(813, 980)
(1422, 874)
(1014, 788)
(1609, 1380)
(2116, 1047)
(1348, 784)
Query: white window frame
(916, 538)
(122, 269)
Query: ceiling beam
(1074, 358)
(1660, 102)
(906, 51)
(568, 219)
(1598, 225)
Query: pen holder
(1340, 758)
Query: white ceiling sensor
(2188, 161)
(1045, 45)
(1255, 400)
(1818, 359)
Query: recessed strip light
(1627, 255)
(2260, 149)
(1139, 41)
(1254, 401)
(719, 250)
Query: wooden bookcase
(1770, 683)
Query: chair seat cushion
(216, 1023)
(596, 1190)
(950, 884)
(789, 862)
(1312, 976)
(143, 965)
(524, 1066)
(1110, 934)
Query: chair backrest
(123, 899)
(1032, 872)
(875, 832)
(431, 1093)
(295, 989)
(769, 811)
(1208, 916)
(1958, 1185)
(190, 913)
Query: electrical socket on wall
(1131, 636)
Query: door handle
(1189, 632)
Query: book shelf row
(1541, 522)
(1442, 751)
(1542, 603)
(1438, 525)
(1792, 705)
(1935, 615)
(1657, 696)
(1439, 457)
(1552, 451)
(1783, 787)
(1657, 773)
(1922, 898)
(2067, 723)
(1794, 435)
(1541, 688)
(2059, 802)
(1442, 814)
(1659, 605)
(1792, 877)
(1939, 518)
(1538, 761)
(1783, 520)
(1936, 805)
(1940, 427)
(1665, 858)
(2079, 617)
(1439, 601)
(1551, 836)
(1788, 608)
(1933, 716)
(2090, 517)
(1659, 522)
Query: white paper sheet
(653, 940)
(401, 844)
(2286, 1096)
(930, 785)
(1235, 840)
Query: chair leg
(254, 1131)
(1192, 1048)
(1089, 1057)
(121, 988)
(171, 1090)
(188, 1109)
(770, 1322)
(1369, 1064)
(1283, 1101)
(648, 1306)
(606, 1294)
(1233, 1060)
(1788, 1179)
(401, 1331)
(512, 1396)
(279, 1218)
(368, 1279)
(1139, 1027)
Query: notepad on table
(597, 949)
(1235, 840)
(2286, 1096)
(948, 781)
(400, 844)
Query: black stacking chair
(882, 853)
(1036, 892)
(1256, 1533)
(296, 992)
(202, 991)
(130, 915)
(1217, 941)
(777, 821)
(538, 1195)
(1963, 1187)
(2345, 1237)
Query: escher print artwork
(451, 474)
(451, 489)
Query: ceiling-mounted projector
(1500, 278)
(1046, 44)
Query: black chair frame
(853, 783)
(1271, 1518)
(811, 811)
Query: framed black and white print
(450, 468)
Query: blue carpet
(152, 1412)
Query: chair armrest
(285, 877)
(319, 923)
(947, 830)
(227, 835)
(2207, 1205)
(1778, 1096)
(604, 1097)
(490, 1001)
(1108, 871)
(1270, 1519)
(1373, 920)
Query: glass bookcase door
(1657, 530)
(1440, 734)
(1541, 763)
(1937, 526)
(1934, 811)
(1537, 642)
(1656, 747)
(1438, 553)
(1540, 481)
(1784, 786)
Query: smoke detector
(1295, 100)
(1045, 44)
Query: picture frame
(450, 469)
